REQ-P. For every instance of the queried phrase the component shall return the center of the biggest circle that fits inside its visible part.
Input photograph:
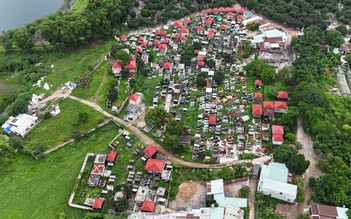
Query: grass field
(40, 189)
(79, 6)
(56, 130)
(69, 65)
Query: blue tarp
(219, 17)
(249, 14)
(8, 129)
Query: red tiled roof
(157, 32)
(163, 32)
(131, 65)
(230, 14)
(111, 156)
(162, 47)
(200, 57)
(98, 203)
(324, 210)
(148, 206)
(209, 10)
(144, 43)
(241, 10)
(134, 97)
(201, 63)
(200, 29)
(212, 120)
(156, 43)
(232, 113)
(177, 24)
(258, 95)
(192, 15)
(268, 105)
(123, 36)
(282, 95)
(184, 30)
(97, 169)
(167, 65)
(140, 38)
(196, 51)
(204, 11)
(215, 9)
(118, 64)
(268, 112)
(239, 17)
(176, 36)
(258, 82)
(166, 41)
(132, 57)
(154, 165)
(227, 9)
(232, 9)
(278, 138)
(187, 21)
(139, 49)
(257, 109)
(280, 104)
(221, 9)
(277, 130)
(183, 38)
(210, 34)
(223, 27)
(150, 150)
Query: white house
(20, 125)
(273, 182)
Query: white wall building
(273, 182)
(20, 125)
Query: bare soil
(190, 195)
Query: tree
(218, 77)
(201, 80)
(124, 73)
(226, 173)
(6, 151)
(342, 29)
(313, 182)
(175, 128)
(260, 69)
(348, 58)
(283, 153)
(121, 205)
(83, 117)
(244, 191)
(122, 56)
(211, 63)
(297, 164)
(16, 142)
(24, 39)
(290, 137)
(334, 38)
(253, 27)
(171, 142)
(158, 116)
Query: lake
(17, 13)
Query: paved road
(148, 140)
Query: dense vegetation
(325, 116)
(156, 12)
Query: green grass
(79, 6)
(56, 130)
(69, 65)
(41, 188)
(147, 87)
(7, 88)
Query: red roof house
(123, 37)
(156, 43)
(200, 57)
(241, 11)
(257, 110)
(177, 24)
(150, 150)
(204, 11)
(154, 165)
(215, 10)
(187, 21)
(239, 18)
(131, 66)
(98, 203)
(258, 96)
(212, 120)
(117, 67)
(97, 169)
(176, 36)
(199, 30)
(167, 66)
(111, 157)
(277, 139)
(283, 95)
(277, 130)
(134, 99)
(210, 35)
(139, 49)
(223, 27)
(201, 63)
(185, 32)
(183, 39)
(268, 105)
(148, 206)
(140, 38)
(209, 10)
(221, 9)
(280, 107)
(143, 44)
(162, 47)
(258, 83)
(163, 32)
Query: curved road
(147, 139)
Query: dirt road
(251, 199)
(148, 140)
(313, 169)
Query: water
(17, 13)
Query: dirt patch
(288, 211)
(232, 189)
(190, 195)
